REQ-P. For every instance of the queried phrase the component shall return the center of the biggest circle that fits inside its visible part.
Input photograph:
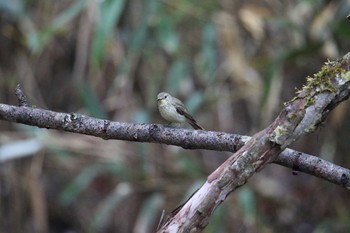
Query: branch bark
(153, 133)
(300, 116)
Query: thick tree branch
(300, 116)
(186, 138)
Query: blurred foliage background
(233, 62)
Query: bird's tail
(195, 125)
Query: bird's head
(163, 98)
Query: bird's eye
(165, 97)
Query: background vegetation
(234, 63)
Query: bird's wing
(183, 111)
(189, 118)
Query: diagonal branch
(300, 116)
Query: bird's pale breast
(169, 113)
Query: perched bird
(174, 111)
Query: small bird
(174, 111)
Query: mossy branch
(300, 116)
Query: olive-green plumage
(174, 111)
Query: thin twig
(22, 99)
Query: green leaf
(86, 176)
(149, 211)
(12, 7)
(141, 116)
(91, 101)
(206, 63)
(110, 13)
(178, 71)
(194, 101)
(167, 35)
(37, 42)
(248, 203)
(110, 204)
